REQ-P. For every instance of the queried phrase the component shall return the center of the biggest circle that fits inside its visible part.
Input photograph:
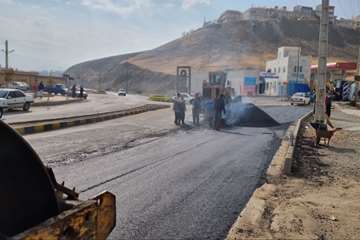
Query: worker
(182, 110)
(73, 91)
(328, 104)
(81, 92)
(219, 110)
(196, 107)
(177, 109)
(41, 88)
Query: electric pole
(7, 52)
(322, 68)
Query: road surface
(187, 184)
(96, 103)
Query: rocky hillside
(217, 46)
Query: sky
(55, 34)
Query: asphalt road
(187, 184)
(96, 103)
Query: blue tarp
(294, 87)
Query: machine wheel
(26, 106)
(27, 194)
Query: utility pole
(7, 52)
(298, 65)
(322, 68)
(127, 79)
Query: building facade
(263, 14)
(289, 66)
(31, 78)
(356, 23)
(230, 16)
(332, 17)
(304, 11)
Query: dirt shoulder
(321, 200)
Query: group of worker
(216, 112)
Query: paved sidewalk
(321, 199)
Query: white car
(187, 97)
(300, 98)
(122, 92)
(14, 98)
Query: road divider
(45, 103)
(253, 214)
(37, 126)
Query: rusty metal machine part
(91, 219)
(34, 206)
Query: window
(295, 68)
(12, 94)
(279, 70)
(284, 69)
(274, 70)
(19, 94)
(300, 69)
(3, 94)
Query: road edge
(59, 124)
(280, 165)
(56, 103)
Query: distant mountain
(216, 46)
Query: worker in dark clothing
(177, 109)
(196, 108)
(81, 92)
(73, 91)
(328, 105)
(182, 110)
(219, 110)
(41, 89)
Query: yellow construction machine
(34, 206)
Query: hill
(230, 45)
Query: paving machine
(34, 206)
(216, 85)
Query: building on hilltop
(263, 14)
(230, 16)
(289, 67)
(332, 17)
(342, 22)
(356, 23)
(304, 11)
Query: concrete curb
(43, 126)
(55, 103)
(252, 215)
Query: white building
(332, 17)
(356, 22)
(289, 66)
(230, 16)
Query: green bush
(159, 98)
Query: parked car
(23, 86)
(57, 89)
(14, 98)
(122, 92)
(77, 93)
(187, 97)
(300, 98)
